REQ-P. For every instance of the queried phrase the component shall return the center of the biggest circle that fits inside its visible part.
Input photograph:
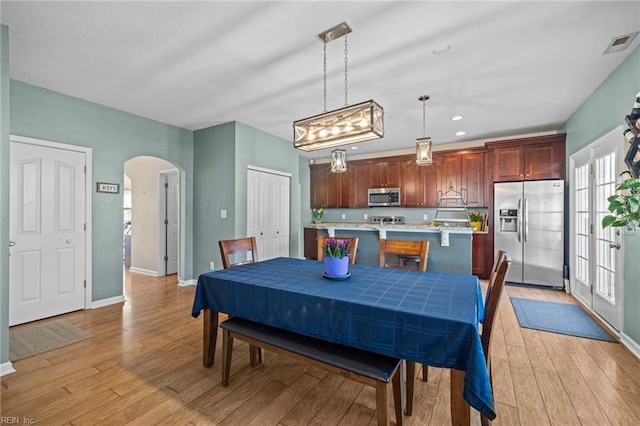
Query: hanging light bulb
(338, 161)
(424, 154)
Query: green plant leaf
(608, 220)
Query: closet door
(268, 205)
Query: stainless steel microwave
(383, 197)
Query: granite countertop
(373, 226)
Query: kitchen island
(449, 247)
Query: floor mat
(562, 318)
(26, 342)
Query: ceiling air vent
(620, 43)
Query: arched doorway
(151, 219)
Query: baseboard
(6, 368)
(145, 271)
(107, 302)
(186, 283)
(630, 344)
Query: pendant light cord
(346, 67)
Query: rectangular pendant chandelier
(424, 155)
(354, 123)
(338, 161)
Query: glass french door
(596, 255)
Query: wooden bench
(365, 367)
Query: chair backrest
(353, 251)
(400, 248)
(492, 275)
(491, 307)
(239, 250)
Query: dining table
(431, 318)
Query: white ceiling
(513, 67)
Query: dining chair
(239, 250)
(418, 250)
(494, 293)
(243, 251)
(490, 312)
(352, 252)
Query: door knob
(68, 241)
(12, 243)
(615, 245)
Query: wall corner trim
(6, 368)
(630, 344)
(107, 302)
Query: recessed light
(461, 133)
(440, 50)
(354, 147)
(457, 118)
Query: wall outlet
(223, 214)
(344, 216)
(444, 238)
(425, 217)
(366, 216)
(212, 266)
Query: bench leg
(381, 403)
(396, 384)
(255, 355)
(227, 350)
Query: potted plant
(317, 215)
(476, 218)
(624, 205)
(336, 257)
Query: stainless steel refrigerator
(528, 224)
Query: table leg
(209, 336)
(410, 383)
(460, 411)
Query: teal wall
(600, 113)
(4, 193)
(280, 156)
(221, 156)
(214, 189)
(114, 137)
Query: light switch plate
(223, 214)
(344, 216)
(425, 217)
(366, 216)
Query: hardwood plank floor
(143, 367)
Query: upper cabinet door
(324, 187)
(508, 164)
(451, 172)
(473, 178)
(544, 161)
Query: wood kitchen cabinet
(419, 184)
(535, 158)
(473, 178)
(384, 173)
(464, 170)
(354, 185)
(479, 255)
(311, 243)
(325, 187)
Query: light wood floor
(143, 367)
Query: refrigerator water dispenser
(508, 220)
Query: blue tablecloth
(427, 317)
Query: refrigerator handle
(519, 219)
(526, 220)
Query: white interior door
(596, 252)
(47, 230)
(170, 220)
(268, 212)
(279, 215)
